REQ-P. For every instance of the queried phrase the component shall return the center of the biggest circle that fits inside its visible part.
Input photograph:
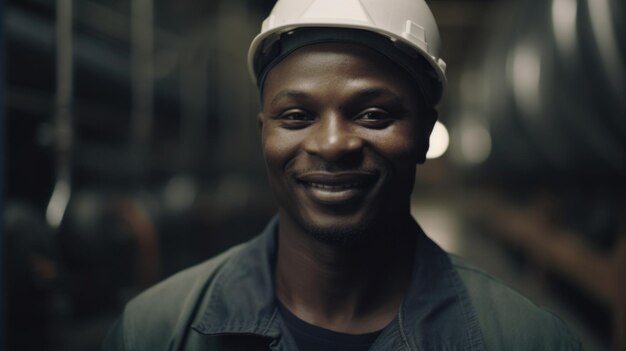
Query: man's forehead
(359, 94)
(350, 65)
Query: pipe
(142, 80)
(63, 115)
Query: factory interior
(131, 151)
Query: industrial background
(130, 151)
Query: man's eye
(374, 118)
(374, 115)
(296, 116)
(294, 119)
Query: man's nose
(333, 138)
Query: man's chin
(341, 233)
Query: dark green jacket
(228, 303)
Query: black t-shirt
(309, 337)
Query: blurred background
(131, 151)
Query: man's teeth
(333, 186)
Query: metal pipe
(2, 162)
(193, 95)
(63, 114)
(142, 77)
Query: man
(348, 90)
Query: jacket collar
(242, 299)
(436, 314)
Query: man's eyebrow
(289, 94)
(376, 92)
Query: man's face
(341, 135)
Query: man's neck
(347, 288)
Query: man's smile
(336, 188)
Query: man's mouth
(333, 187)
(336, 188)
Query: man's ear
(426, 127)
(259, 120)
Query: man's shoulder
(176, 288)
(509, 320)
(160, 313)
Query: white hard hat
(408, 24)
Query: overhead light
(564, 24)
(524, 74)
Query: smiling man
(341, 138)
(349, 90)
